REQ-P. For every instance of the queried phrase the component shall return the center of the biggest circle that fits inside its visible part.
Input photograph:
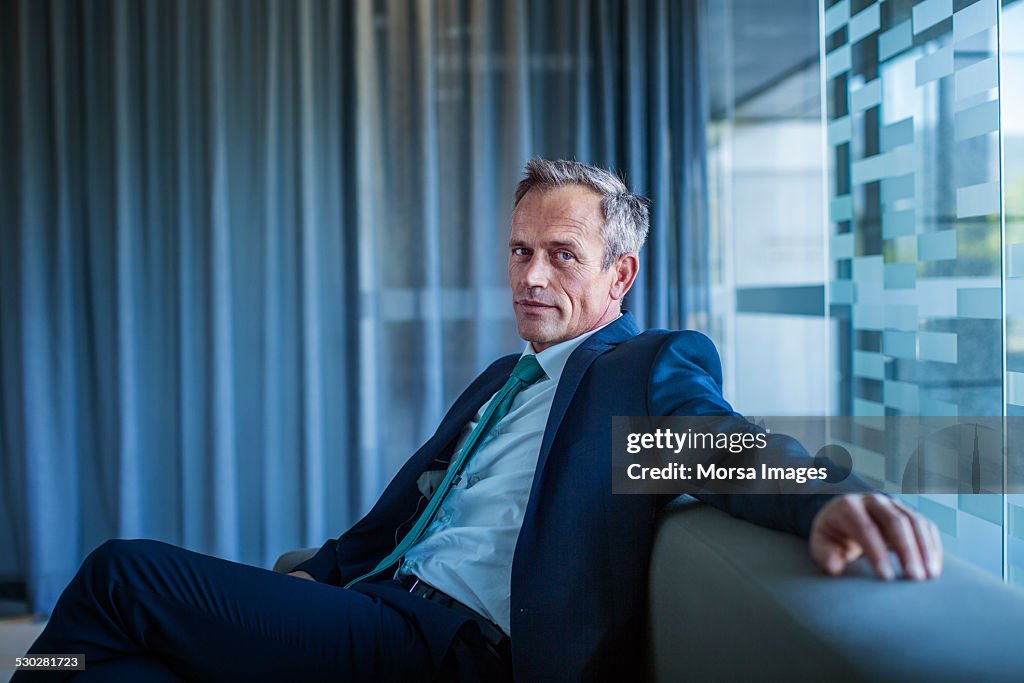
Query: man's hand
(302, 575)
(872, 524)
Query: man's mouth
(531, 305)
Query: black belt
(491, 632)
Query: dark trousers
(146, 610)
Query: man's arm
(687, 380)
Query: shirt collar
(552, 360)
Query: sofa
(731, 601)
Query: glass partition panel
(766, 179)
(1011, 103)
(915, 231)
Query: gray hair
(626, 215)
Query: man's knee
(112, 556)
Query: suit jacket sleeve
(686, 380)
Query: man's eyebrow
(565, 243)
(553, 243)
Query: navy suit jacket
(579, 572)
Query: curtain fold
(250, 251)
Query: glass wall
(866, 167)
(1011, 130)
(912, 120)
(766, 187)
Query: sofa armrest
(292, 559)
(733, 601)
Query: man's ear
(626, 268)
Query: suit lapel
(467, 406)
(579, 362)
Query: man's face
(559, 290)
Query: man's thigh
(207, 618)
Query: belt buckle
(491, 633)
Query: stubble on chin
(534, 333)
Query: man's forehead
(551, 238)
(573, 210)
(571, 225)
(563, 198)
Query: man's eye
(564, 256)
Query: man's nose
(535, 272)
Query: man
(498, 549)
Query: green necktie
(526, 372)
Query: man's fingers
(842, 555)
(834, 561)
(900, 533)
(871, 524)
(923, 537)
(833, 554)
(928, 539)
(861, 527)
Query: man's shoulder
(662, 336)
(664, 354)
(660, 344)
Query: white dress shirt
(467, 550)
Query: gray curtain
(252, 250)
